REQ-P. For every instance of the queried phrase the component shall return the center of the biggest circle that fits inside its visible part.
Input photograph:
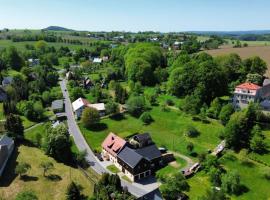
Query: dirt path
(189, 161)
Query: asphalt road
(76, 133)
(82, 145)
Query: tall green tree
(14, 126)
(57, 143)
(90, 117)
(12, 58)
(74, 192)
(22, 168)
(173, 186)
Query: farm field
(43, 187)
(261, 51)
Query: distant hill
(232, 33)
(56, 28)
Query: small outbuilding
(58, 106)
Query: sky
(137, 15)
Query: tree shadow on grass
(242, 189)
(54, 177)
(247, 163)
(27, 178)
(9, 174)
(98, 127)
(118, 117)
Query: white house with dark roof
(6, 149)
(137, 159)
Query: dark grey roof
(149, 152)
(7, 80)
(3, 94)
(154, 195)
(130, 157)
(57, 104)
(142, 137)
(5, 140)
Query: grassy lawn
(21, 45)
(265, 158)
(171, 168)
(2, 117)
(169, 125)
(198, 185)
(252, 175)
(27, 123)
(113, 169)
(31, 134)
(126, 179)
(43, 187)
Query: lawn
(113, 169)
(167, 124)
(32, 133)
(252, 175)
(2, 117)
(45, 188)
(21, 45)
(26, 122)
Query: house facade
(138, 158)
(111, 147)
(250, 92)
(78, 106)
(133, 165)
(6, 149)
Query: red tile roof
(248, 86)
(113, 144)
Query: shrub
(191, 131)
(169, 102)
(146, 118)
(136, 105)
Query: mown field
(166, 130)
(21, 45)
(261, 51)
(45, 188)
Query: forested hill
(56, 28)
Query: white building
(78, 106)
(250, 92)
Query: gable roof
(130, 157)
(149, 152)
(248, 86)
(113, 144)
(79, 103)
(142, 137)
(98, 106)
(97, 60)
